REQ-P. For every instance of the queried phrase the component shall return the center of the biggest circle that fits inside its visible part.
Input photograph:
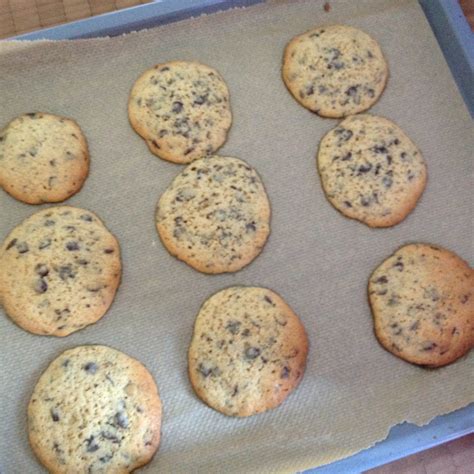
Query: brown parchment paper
(353, 391)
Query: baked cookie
(422, 300)
(59, 271)
(371, 171)
(181, 109)
(248, 351)
(335, 71)
(215, 215)
(43, 158)
(94, 410)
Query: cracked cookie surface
(95, 410)
(59, 271)
(371, 171)
(43, 158)
(248, 351)
(422, 300)
(335, 70)
(215, 215)
(181, 109)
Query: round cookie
(43, 158)
(181, 109)
(422, 300)
(96, 410)
(59, 271)
(371, 171)
(248, 351)
(335, 70)
(215, 215)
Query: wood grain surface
(22, 16)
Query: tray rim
(452, 32)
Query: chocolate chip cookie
(215, 215)
(371, 171)
(335, 70)
(422, 300)
(43, 158)
(59, 271)
(248, 351)
(94, 410)
(181, 109)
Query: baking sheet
(316, 259)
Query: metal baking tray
(455, 39)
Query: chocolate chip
(252, 352)
(91, 368)
(31, 114)
(189, 150)
(82, 262)
(383, 279)
(365, 168)
(233, 326)
(110, 437)
(206, 371)
(347, 157)
(236, 390)
(177, 107)
(86, 217)
(91, 445)
(54, 414)
(343, 134)
(393, 301)
(72, 246)
(11, 244)
(365, 201)
(106, 458)
(352, 91)
(246, 332)
(464, 298)
(66, 272)
(414, 326)
(310, 90)
(22, 247)
(49, 222)
(430, 347)
(399, 266)
(347, 203)
(41, 286)
(250, 227)
(379, 149)
(200, 99)
(285, 372)
(155, 144)
(387, 181)
(121, 419)
(109, 250)
(45, 243)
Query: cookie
(59, 271)
(371, 171)
(181, 109)
(422, 300)
(43, 158)
(335, 70)
(215, 215)
(94, 410)
(248, 351)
